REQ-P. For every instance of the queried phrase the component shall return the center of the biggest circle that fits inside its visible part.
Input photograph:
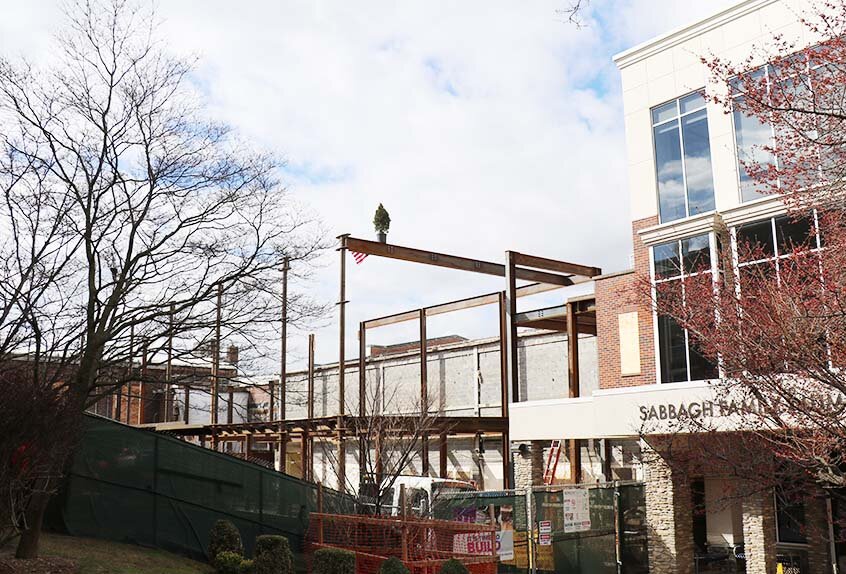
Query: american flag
(359, 257)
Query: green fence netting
(577, 529)
(508, 510)
(137, 486)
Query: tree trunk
(28, 544)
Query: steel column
(511, 325)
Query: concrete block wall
(463, 379)
(464, 462)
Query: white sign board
(479, 543)
(576, 504)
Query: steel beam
(458, 305)
(555, 265)
(449, 261)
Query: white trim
(674, 37)
(679, 229)
(769, 206)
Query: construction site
(312, 423)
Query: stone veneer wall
(528, 467)
(819, 555)
(759, 532)
(669, 517)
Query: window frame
(736, 93)
(683, 274)
(677, 118)
(777, 256)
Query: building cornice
(678, 229)
(763, 208)
(684, 33)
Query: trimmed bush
(393, 565)
(227, 562)
(224, 537)
(453, 566)
(247, 567)
(272, 555)
(333, 561)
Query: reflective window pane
(668, 162)
(701, 369)
(755, 241)
(664, 113)
(793, 233)
(692, 102)
(697, 163)
(696, 253)
(666, 259)
(672, 350)
(751, 135)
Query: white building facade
(687, 185)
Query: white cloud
(482, 126)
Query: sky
(481, 126)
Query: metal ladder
(552, 462)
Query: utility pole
(281, 445)
(216, 356)
(169, 368)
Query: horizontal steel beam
(449, 261)
(459, 305)
(555, 265)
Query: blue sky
(481, 126)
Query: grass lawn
(102, 557)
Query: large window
(678, 357)
(683, 158)
(794, 84)
(751, 135)
(764, 246)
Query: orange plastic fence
(422, 544)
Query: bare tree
(390, 437)
(125, 213)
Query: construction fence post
(618, 534)
(404, 519)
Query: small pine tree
(273, 555)
(453, 566)
(333, 561)
(393, 565)
(381, 221)
(224, 537)
(227, 562)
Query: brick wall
(622, 293)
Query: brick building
(687, 186)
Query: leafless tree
(390, 437)
(125, 211)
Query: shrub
(247, 567)
(393, 565)
(453, 566)
(227, 562)
(333, 561)
(273, 555)
(224, 537)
